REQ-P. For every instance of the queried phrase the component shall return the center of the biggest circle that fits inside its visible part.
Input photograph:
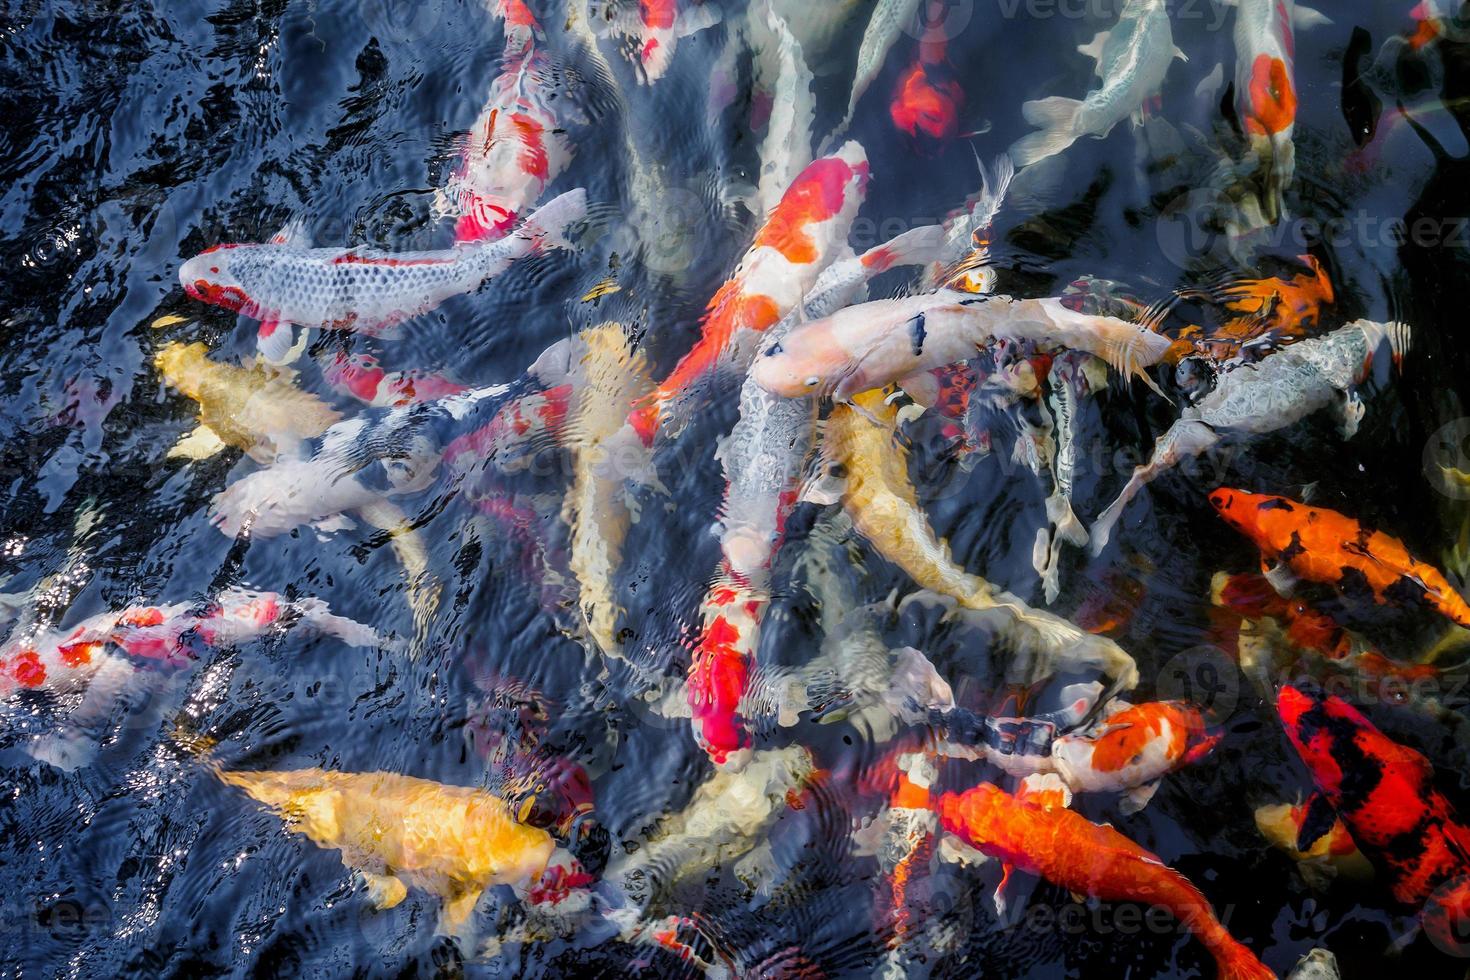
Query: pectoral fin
(1281, 577)
(202, 443)
(384, 891)
(1137, 798)
(458, 915)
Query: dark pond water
(136, 135)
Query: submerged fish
(257, 408)
(1132, 60)
(800, 238)
(1090, 859)
(652, 31)
(888, 21)
(1321, 545)
(1331, 855)
(763, 459)
(360, 376)
(611, 376)
(399, 832)
(1384, 793)
(286, 282)
(1263, 397)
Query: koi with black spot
(1321, 545)
(1384, 794)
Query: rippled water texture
(137, 134)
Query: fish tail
(1130, 351)
(548, 224)
(1057, 117)
(1236, 962)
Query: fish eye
(775, 349)
(812, 382)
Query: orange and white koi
(1132, 749)
(1090, 859)
(1321, 545)
(800, 238)
(1265, 90)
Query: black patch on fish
(1293, 548)
(1276, 503)
(1406, 851)
(1354, 585)
(1227, 108)
(917, 333)
(1405, 591)
(1317, 821)
(1361, 108)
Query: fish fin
(547, 225)
(168, 321)
(276, 341)
(1209, 86)
(695, 19)
(1057, 118)
(1202, 749)
(822, 488)
(1351, 410)
(1006, 871)
(917, 246)
(916, 688)
(1303, 18)
(1132, 355)
(383, 891)
(1137, 798)
(1281, 577)
(1180, 54)
(200, 443)
(1317, 819)
(292, 234)
(1094, 50)
(1046, 789)
(458, 916)
(337, 522)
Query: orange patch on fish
(1272, 107)
(815, 196)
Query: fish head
(809, 361)
(1324, 730)
(1248, 513)
(212, 277)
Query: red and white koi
(62, 661)
(764, 457)
(360, 376)
(652, 33)
(516, 147)
(800, 238)
(284, 281)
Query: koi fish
(400, 832)
(595, 509)
(787, 147)
(62, 661)
(285, 281)
(873, 344)
(1321, 545)
(1090, 859)
(360, 376)
(880, 499)
(1331, 855)
(517, 146)
(1132, 60)
(652, 33)
(1262, 397)
(1132, 749)
(1384, 793)
(1265, 90)
(763, 458)
(255, 408)
(1264, 312)
(928, 98)
(965, 261)
(888, 21)
(799, 239)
